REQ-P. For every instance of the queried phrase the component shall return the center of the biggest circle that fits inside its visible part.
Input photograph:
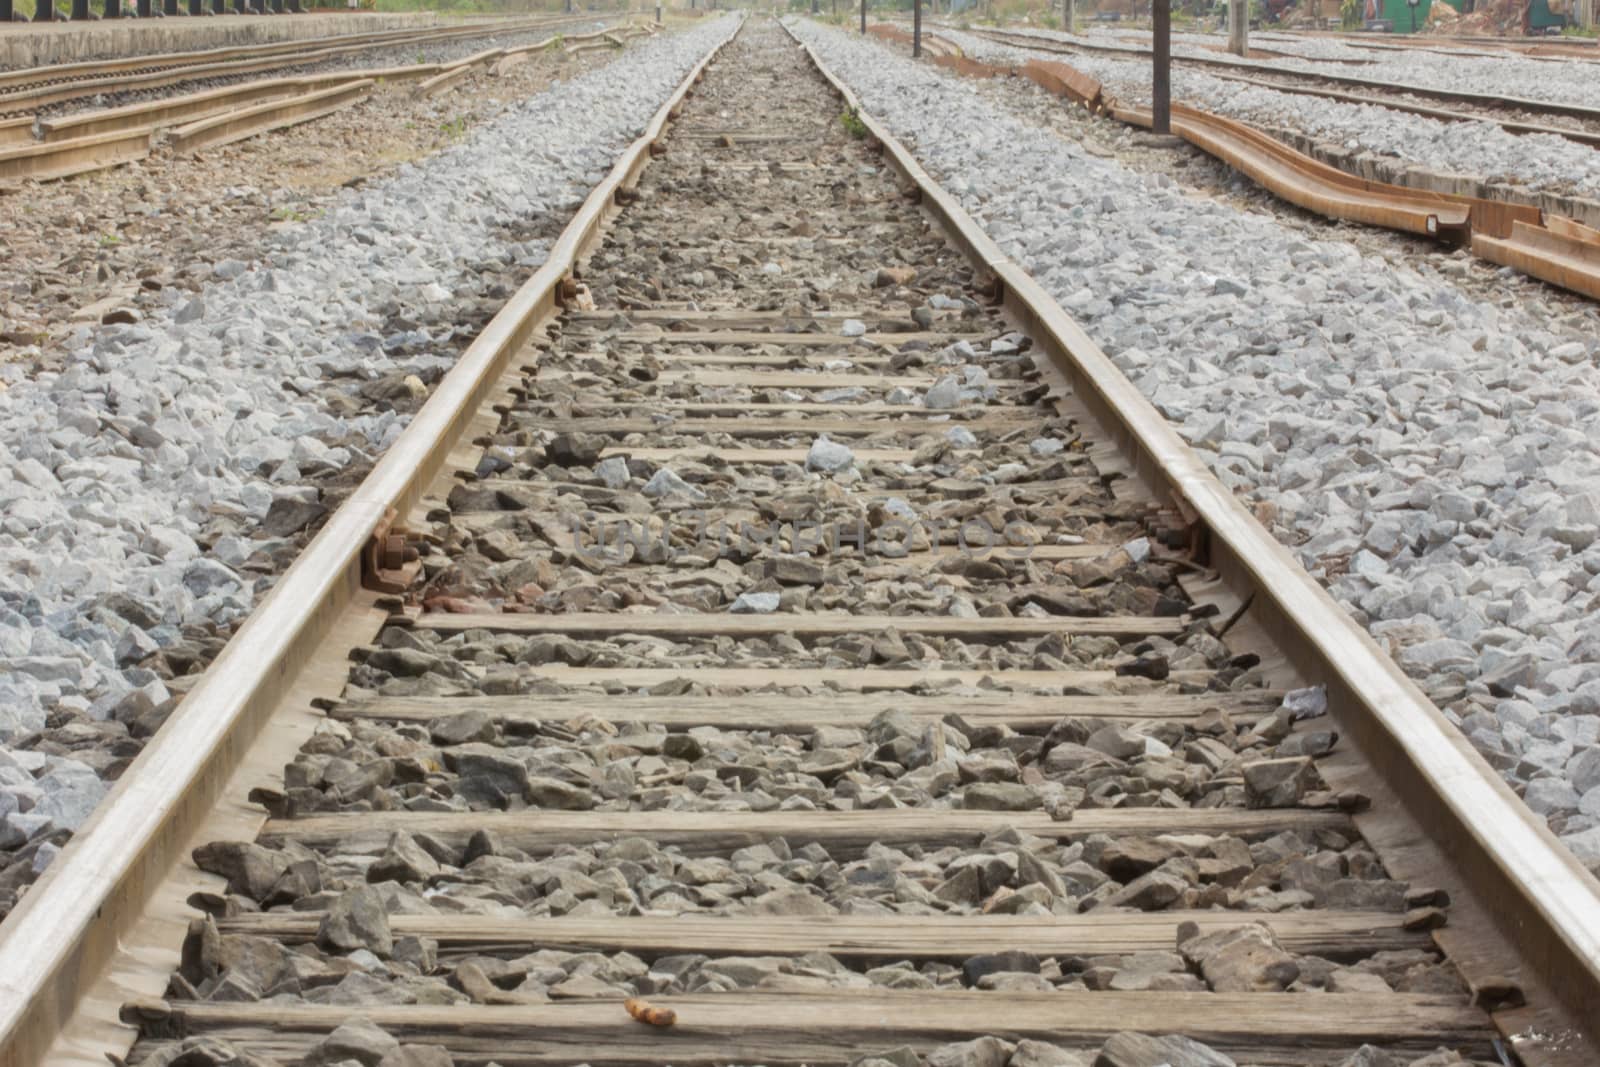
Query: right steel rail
(1546, 906)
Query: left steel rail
(65, 948)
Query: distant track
(35, 87)
(1510, 113)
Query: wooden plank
(760, 427)
(611, 624)
(1335, 934)
(756, 337)
(842, 833)
(760, 379)
(969, 416)
(719, 456)
(1026, 713)
(924, 559)
(833, 1027)
(854, 679)
(739, 318)
(1112, 510)
(741, 138)
(749, 358)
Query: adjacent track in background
(660, 302)
(39, 87)
(96, 140)
(1547, 246)
(1515, 115)
(1557, 48)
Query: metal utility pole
(916, 29)
(1239, 27)
(1161, 82)
(863, 17)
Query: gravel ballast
(1431, 458)
(1539, 162)
(505, 762)
(152, 487)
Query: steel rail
(17, 130)
(97, 140)
(1544, 904)
(1329, 191)
(1317, 186)
(61, 940)
(1442, 114)
(90, 68)
(1514, 103)
(1560, 252)
(1554, 48)
(45, 94)
(168, 112)
(270, 115)
(63, 159)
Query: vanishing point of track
(996, 743)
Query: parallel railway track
(1530, 47)
(94, 140)
(1517, 115)
(43, 87)
(938, 793)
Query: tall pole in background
(1239, 27)
(1161, 83)
(863, 17)
(916, 29)
(1066, 16)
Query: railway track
(1528, 47)
(799, 625)
(94, 140)
(1515, 115)
(46, 87)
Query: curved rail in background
(1551, 248)
(1543, 902)
(103, 877)
(1312, 185)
